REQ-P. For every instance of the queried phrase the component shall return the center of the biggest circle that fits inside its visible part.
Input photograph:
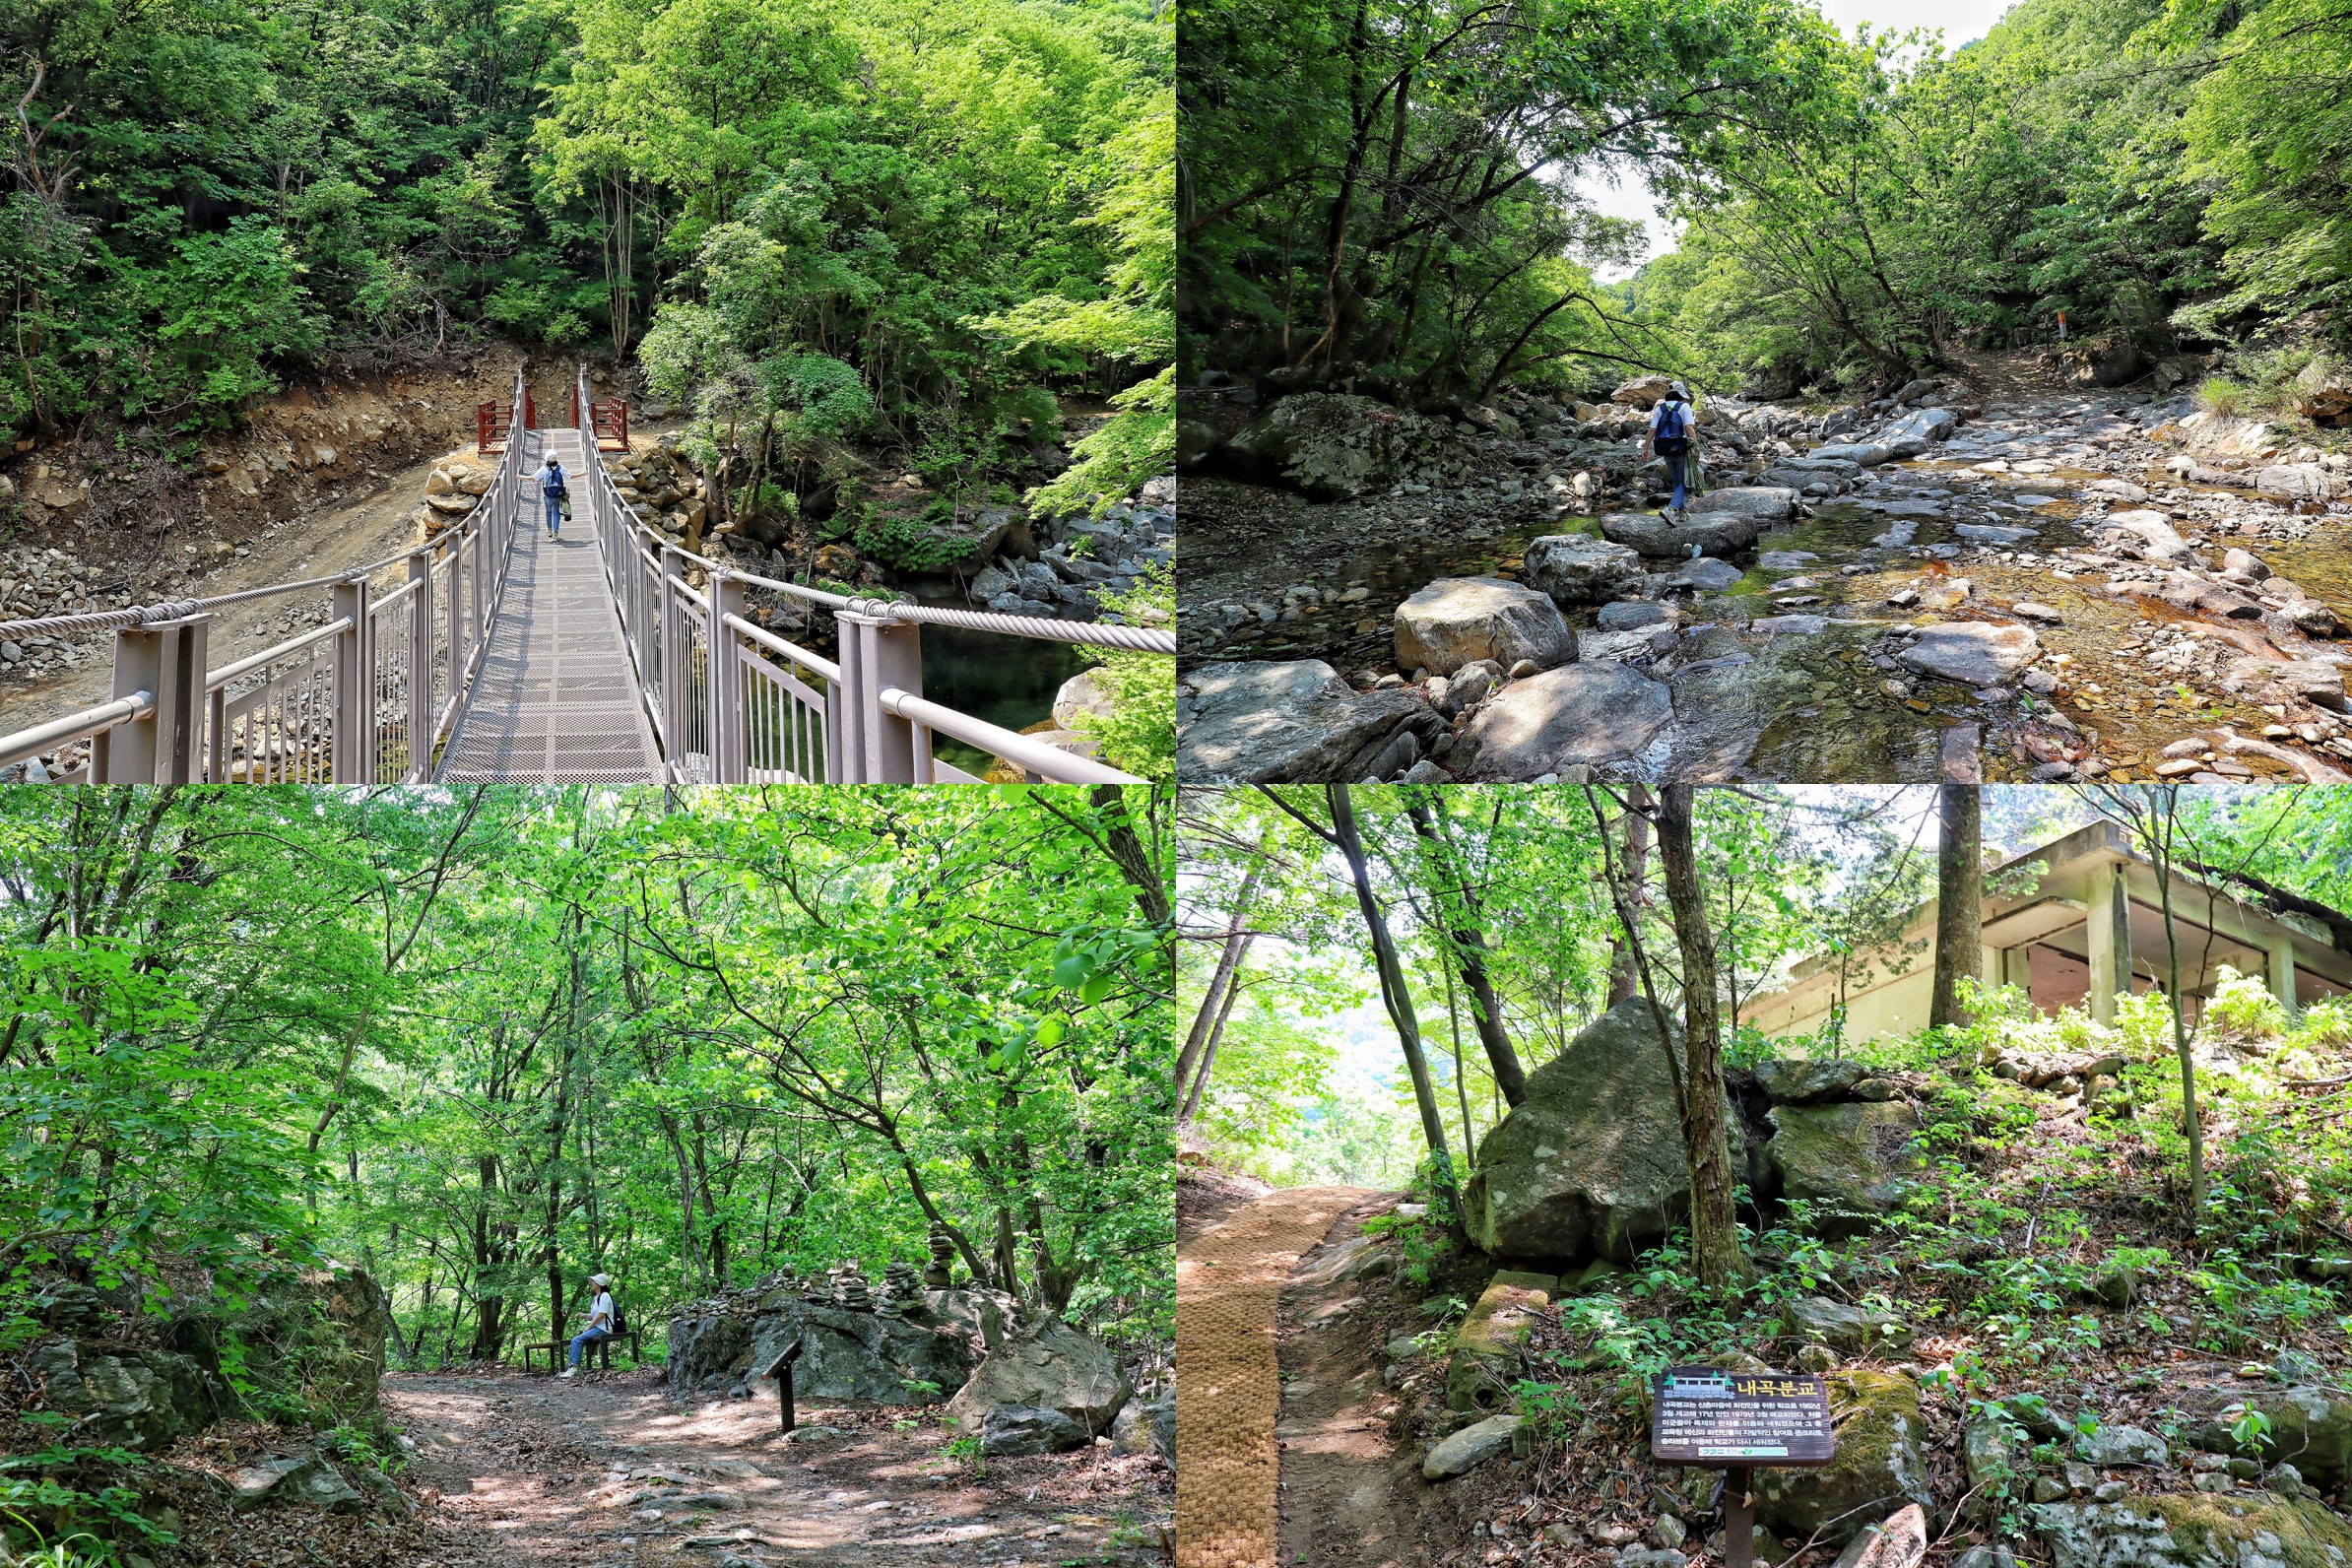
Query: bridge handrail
(775, 644)
(1064, 768)
(216, 679)
(28, 743)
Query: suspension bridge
(607, 654)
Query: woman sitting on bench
(600, 1321)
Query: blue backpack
(552, 483)
(1672, 433)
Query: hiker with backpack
(1670, 437)
(553, 490)
(604, 1318)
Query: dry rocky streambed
(2051, 587)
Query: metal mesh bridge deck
(555, 700)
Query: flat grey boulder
(1804, 1080)
(1469, 1448)
(1705, 575)
(1580, 569)
(1862, 454)
(1767, 503)
(1010, 1431)
(2151, 532)
(301, 1478)
(1994, 534)
(1922, 424)
(1256, 722)
(1591, 1162)
(138, 1399)
(1710, 534)
(1459, 621)
(1972, 652)
(1054, 1367)
(1577, 714)
(1817, 1319)
(845, 1354)
(2123, 1444)
(1790, 626)
(2296, 482)
(1633, 614)
(2315, 681)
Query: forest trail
(607, 1471)
(1229, 1281)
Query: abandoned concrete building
(2087, 921)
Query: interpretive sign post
(1739, 1420)
(781, 1370)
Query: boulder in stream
(1972, 652)
(1576, 715)
(1710, 534)
(1256, 722)
(1766, 504)
(1580, 569)
(1864, 454)
(2151, 533)
(2296, 482)
(1457, 621)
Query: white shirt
(600, 1312)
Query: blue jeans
(1678, 465)
(555, 511)
(591, 1336)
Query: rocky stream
(2037, 585)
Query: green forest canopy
(1307, 1083)
(484, 1043)
(913, 217)
(1390, 187)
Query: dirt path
(610, 1472)
(1229, 1280)
(365, 528)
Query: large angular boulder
(2194, 1530)
(1766, 504)
(1459, 621)
(1878, 1467)
(2149, 533)
(136, 1398)
(1853, 1161)
(1295, 722)
(1972, 652)
(1471, 1447)
(1580, 569)
(2323, 393)
(1643, 392)
(1591, 1162)
(1803, 1080)
(1711, 534)
(2296, 482)
(1921, 424)
(1054, 1367)
(298, 1479)
(917, 1358)
(1576, 715)
(1487, 1342)
(1334, 446)
(1147, 1428)
(2311, 1427)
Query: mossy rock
(2194, 1530)
(1853, 1161)
(1878, 1469)
(2310, 1428)
(1486, 1348)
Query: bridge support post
(673, 693)
(420, 667)
(352, 761)
(730, 761)
(167, 658)
(877, 653)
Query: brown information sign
(1705, 1416)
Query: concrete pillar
(2099, 927)
(2282, 973)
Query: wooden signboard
(780, 1368)
(1705, 1416)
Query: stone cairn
(937, 1277)
(850, 1288)
(901, 1289)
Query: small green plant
(2251, 1431)
(922, 1388)
(2222, 396)
(2243, 1005)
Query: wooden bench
(600, 1352)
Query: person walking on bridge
(552, 489)
(1669, 438)
(601, 1322)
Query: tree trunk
(1468, 949)
(1714, 1226)
(1212, 1002)
(1217, 1032)
(1959, 893)
(1398, 1000)
(1622, 980)
(2191, 1121)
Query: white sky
(1960, 20)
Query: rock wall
(846, 1355)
